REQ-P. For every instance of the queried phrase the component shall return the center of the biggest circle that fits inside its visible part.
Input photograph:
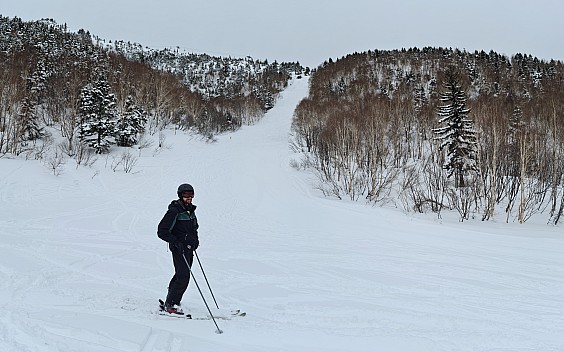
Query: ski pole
(218, 331)
(205, 277)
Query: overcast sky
(311, 31)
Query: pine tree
(130, 125)
(457, 132)
(29, 126)
(419, 98)
(98, 114)
(29, 129)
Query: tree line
(438, 128)
(97, 94)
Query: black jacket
(179, 224)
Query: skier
(179, 227)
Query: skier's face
(187, 197)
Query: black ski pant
(179, 281)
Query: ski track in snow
(81, 268)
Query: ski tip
(238, 313)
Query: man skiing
(179, 227)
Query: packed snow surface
(81, 267)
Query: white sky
(311, 31)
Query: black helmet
(185, 187)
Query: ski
(192, 317)
(231, 314)
(163, 312)
(238, 313)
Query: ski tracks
(161, 341)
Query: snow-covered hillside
(81, 267)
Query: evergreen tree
(515, 124)
(130, 125)
(97, 110)
(30, 128)
(457, 132)
(419, 98)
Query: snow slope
(81, 267)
